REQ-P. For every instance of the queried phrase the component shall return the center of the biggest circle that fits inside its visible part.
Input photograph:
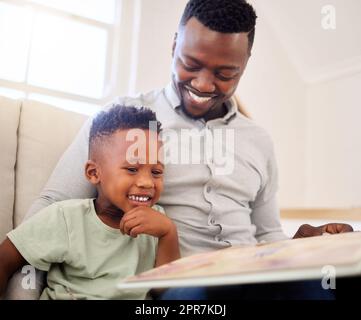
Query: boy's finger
(131, 214)
(129, 225)
(121, 224)
(136, 209)
(135, 231)
(127, 218)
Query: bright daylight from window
(57, 51)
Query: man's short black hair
(225, 16)
(120, 117)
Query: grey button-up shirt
(215, 201)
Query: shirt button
(209, 189)
(213, 221)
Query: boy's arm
(168, 247)
(10, 261)
(145, 220)
(168, 250)
(148, 221)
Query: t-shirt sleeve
(159, 208)
(43, 239)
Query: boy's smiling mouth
(140, 199)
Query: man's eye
(225, 77)
(191, 69)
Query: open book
(300, 259)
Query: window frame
(111, 77)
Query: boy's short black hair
(120, 117)
(225, 16)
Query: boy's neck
(108, 213)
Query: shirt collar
(174, 101)
(232, 110)
(172, 96)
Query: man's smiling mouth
(201, 98)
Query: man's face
(207, 67)
(127, 181)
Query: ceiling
(317, 54)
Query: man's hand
(306, 230)
(145, 220)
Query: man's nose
(145, 181)
(204, 82)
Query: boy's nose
(145, 181)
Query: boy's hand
(306, 230)
(145, 220)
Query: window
(59, 51)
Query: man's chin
(192, 114)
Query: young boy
(86, 246)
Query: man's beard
(180, 89)
(189, 115)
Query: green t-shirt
(84, 257)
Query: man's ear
(92, 172)
(174, 43)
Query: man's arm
(67, 180)
(10, 261)
(266, 218)
(306, 230)
(265, 210)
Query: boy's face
(207, 66)
(129, 173)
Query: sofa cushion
(9, 121)
(44, 134)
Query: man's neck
(216, 113)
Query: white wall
(159, 23)
(334, 143)
(275, 95)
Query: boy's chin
(134, 204)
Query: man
(211, 208)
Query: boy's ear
(92, 172)
(174, 43)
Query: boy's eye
(157, 173)
(132, 170)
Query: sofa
(33, 136)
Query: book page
(284, 260)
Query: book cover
(294, 259)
